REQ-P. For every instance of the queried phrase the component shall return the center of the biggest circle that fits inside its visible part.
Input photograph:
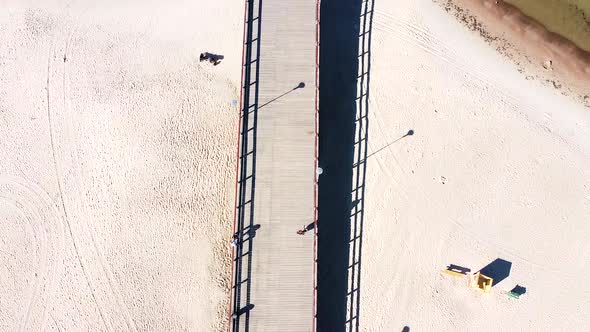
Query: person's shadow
(251, 231)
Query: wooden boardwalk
(274, 267)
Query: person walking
(302, 231)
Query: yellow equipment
(480, 281)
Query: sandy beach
(117, 164)
(497, 168)
(117, 167)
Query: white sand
(120, 160)
(117, 165)
(498, 167)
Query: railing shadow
(345, 63)
(245, 229)
(359, 168)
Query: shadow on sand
(245, 229)
(345, 43)
(498, 270)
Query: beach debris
(443, 179)
(548, 64)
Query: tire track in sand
(34, 204)
(60, 191)
(113, 286)
(420, 37)
(108, 298)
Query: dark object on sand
(498, 270)
(302, 231)
(215, 59)
(517, 291)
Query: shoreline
(538, 53)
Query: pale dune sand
(498, 167)
(117, 173)
(116, 164)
